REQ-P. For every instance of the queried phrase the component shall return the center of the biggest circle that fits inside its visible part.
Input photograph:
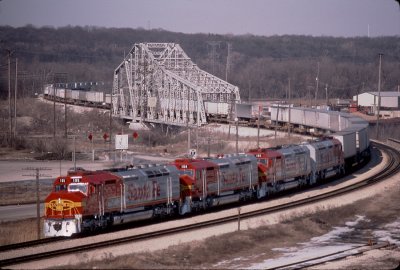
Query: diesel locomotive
(90, 200)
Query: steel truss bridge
(159, 83)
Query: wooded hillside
(260, 66)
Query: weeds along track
(335, 256)
(12, 257)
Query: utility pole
(208, 145)
(276, 122)
(65, 113)
(37, 175)
(237, 135)
(54, 108)
(316, 87)
(238, 220)
(289, 102)
(258, 127)
(15, 97)
(326, 94)
(228, 61)
(57, 77)
(9, 94)
(187, 121)
(109, 145)
(358, 93)
(74, 153)
(213, 45)
(379, 96)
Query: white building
(389, 100)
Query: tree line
(260, 66)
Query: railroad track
(335, 256)
(29, 244)
(392, 167)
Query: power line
(64, 54)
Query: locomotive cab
(76, 202)
(63, 209)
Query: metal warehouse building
(389, 100)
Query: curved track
(340, 255)
(392, 167)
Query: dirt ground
(260, 244)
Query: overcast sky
(345, 18)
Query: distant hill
(260, 66)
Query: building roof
(386, 94)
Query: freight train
(90, 200)
(82, 96)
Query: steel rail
(336, 256)
(392, 167)
(29, 243)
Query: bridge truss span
(159, 83)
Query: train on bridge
(78, 96)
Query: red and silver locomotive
(87, 200)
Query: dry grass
(205, 254)
(12, 232)
(23, 192)
(381, 209)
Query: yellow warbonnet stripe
(62, 205)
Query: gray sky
(260, 17)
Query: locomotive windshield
(187, 171)
(60, 187)
(78, 187)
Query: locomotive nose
(63, 214)
(59, 205)
(63, 207)
(57, 226)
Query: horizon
(316, 18)
(95, 27)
